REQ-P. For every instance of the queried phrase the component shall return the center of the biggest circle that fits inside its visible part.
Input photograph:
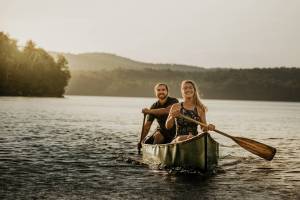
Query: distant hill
(100, 61)
(111, 75)
(275, 84)
(33, 72)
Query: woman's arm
(209, 127)
(202, 119)
(174, 112)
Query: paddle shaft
(139, 147)
(257, 148)
(205, 125)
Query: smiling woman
(191, 107)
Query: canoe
(200, 152)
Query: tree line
(30, 71)
(274, 84)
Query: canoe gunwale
(200, 135)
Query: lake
(79, 147)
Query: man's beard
(162, 96)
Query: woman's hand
(175, 112)
(211, 127)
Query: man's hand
(146, 111)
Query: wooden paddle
(257, 148)
(139, 144)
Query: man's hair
(159, 84)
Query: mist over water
(80, 148)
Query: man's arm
(158, 111)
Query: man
(159, 111)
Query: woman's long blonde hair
(196, 97)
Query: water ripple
(85, 148)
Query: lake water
(78, 148)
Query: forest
(274, 84)
(30, 71)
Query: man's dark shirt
(169, 134)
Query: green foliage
(30, 72)
(34, 72)
(275, 84)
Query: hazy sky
(217, 33)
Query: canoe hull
(200, 152)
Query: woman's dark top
(185, 127)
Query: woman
(191, 107)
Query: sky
(208, 33)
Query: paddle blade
(257, 148)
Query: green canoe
(200, 152)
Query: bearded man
(159, 111)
